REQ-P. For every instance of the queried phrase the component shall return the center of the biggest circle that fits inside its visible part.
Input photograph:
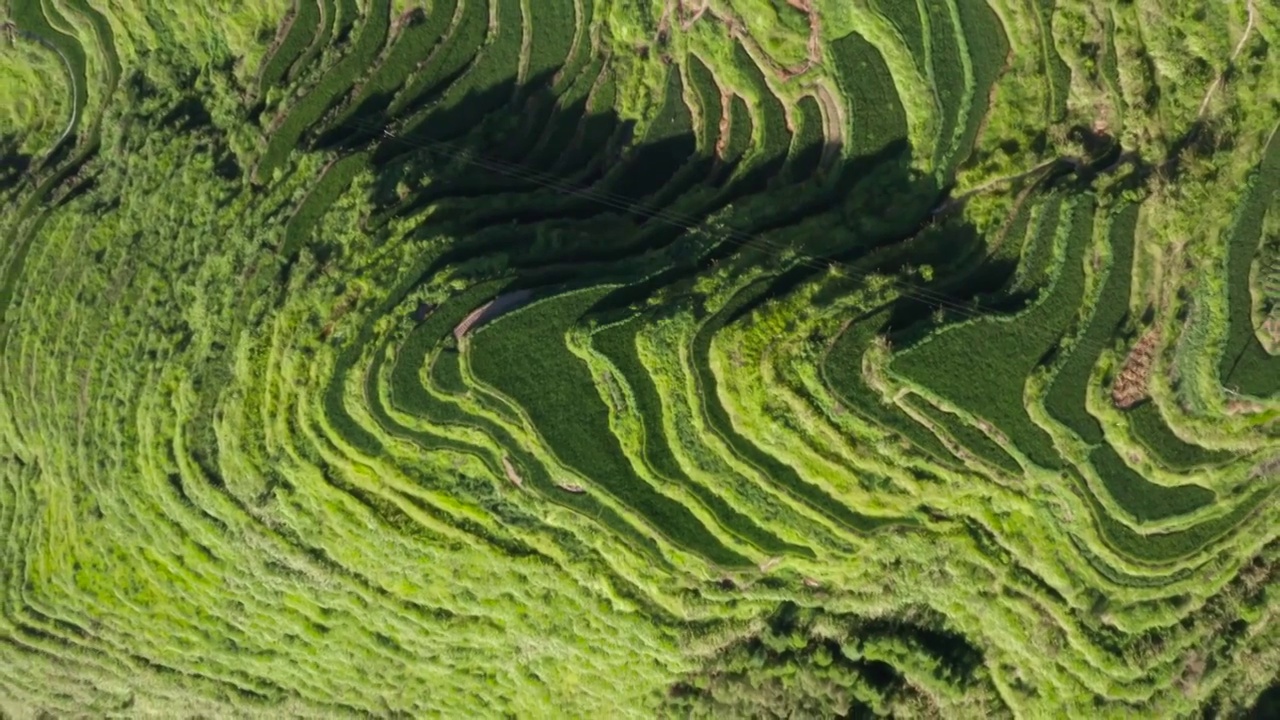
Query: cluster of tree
(807, 663)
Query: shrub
(306, 22)
(328, 91)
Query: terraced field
(689, 358)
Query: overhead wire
(626, 204)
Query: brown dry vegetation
(1130, 387)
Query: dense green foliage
(1246, 366)
(866, 83)
(983, 365)
(1169, 449)
(789, 670)
(597, 358)
(525, 358)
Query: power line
(690, 223)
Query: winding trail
(834, 123)
(1217, 82)
(989, 184)
(491, 310)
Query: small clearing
(491, 310)
(1130, 387)
(510, 470)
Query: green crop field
(623, 358)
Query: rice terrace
(640, 358)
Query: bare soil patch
(1130, 387)
(510, 470)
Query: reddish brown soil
(1130, 387)
(726, 119)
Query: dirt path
(491, 310)
(510, 470)
(1217, 82)
(664, 23)
(687, 23)
(726, 122)
(526, 44)
(738, 32)
(833, 123)
(579, 30)
(814, 45)
(991, 184)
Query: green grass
(319, 42)
(780, 473)
(408, 395)
(870, 95)
(1169, 450)
(807, 142)
(948, 79)
(407, 392)
(905, 17)
(307, 111)
(565, 121)
(1056, 69)
(462, 45)
(770, 140)
(301, 33)
(582, 55)
(412, 44)
(982, 365)
(969, 437)
(1038, 252)
(1141, 498)
(1166, 547)
(1246, 367)
(30, 16)
(842, 370)
(524, 356)
(554, 23)
(326, 191)
(617, 342)
(105, 36)
(1108, 62)
(488, 84)
(1065, 399)
(246, 472)
(669, 144)
(704, 88)
(446, 372)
